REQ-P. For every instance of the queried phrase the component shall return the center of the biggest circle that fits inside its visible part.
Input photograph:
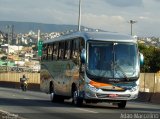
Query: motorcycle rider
(22, 81)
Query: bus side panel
(50, 73)
(45, 79)
(58, 73)
(65, 76)
(62, 73)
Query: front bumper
(92, 93)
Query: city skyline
(109, 15)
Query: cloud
(143, 18)
(110, 15)
(60, 12)
(109, 23)
(157, 0)
(125, 3)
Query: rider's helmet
(24, 76)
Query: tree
(151, 58)
(4, 58)
(155, 63)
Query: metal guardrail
(15, 77)
(16, 69)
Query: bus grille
(107, 95)
(113, 90)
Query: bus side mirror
(83, 56)
(141, 58)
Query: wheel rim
(75, 97)
(52, 96)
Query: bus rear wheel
(53, 96)
(122, 104)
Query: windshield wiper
(120, 68)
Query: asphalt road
(36, 105)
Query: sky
(109, 15)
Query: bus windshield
(112, 60)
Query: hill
(25, 27)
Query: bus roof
(98, 36)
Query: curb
(155, 98)
(149, 97)
(144, 96)
(7, 115)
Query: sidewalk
(149, 97)
(7, 115)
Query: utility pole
(8, 39)
(39, 35)
(132, 22)
(7, 68)
(79, 17)
(12, 32)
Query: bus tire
(88, 101)
(60, 99)
(76, 100)
(53, 96)
(122, 104)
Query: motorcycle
(24, 85)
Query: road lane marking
(26, 98)
(85, 110)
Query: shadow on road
(127, 109)
(31, 102)
(68, 104)
(11, 97)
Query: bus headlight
(92, 88)
(134, 89)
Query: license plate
(113, 95)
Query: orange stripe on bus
(98, 85)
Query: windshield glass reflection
(112, 60)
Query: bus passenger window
(67, 50)
(55, 51)
(52, 50)
(47, 52)
(61, 50)
(71, 49)
(82, 44)
(76, 51)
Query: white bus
(91, 67)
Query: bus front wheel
(76, 100)
(122, 104)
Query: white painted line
(85, 110)
(26, 98)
